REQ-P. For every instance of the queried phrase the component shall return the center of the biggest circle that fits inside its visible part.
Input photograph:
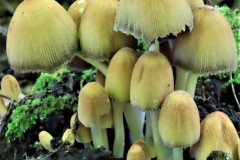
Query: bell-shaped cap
(119, 74)
(68, 137)
(97, 38)
(151, 81)
(179, 122)
(217, 134)
(10, 87)
(3, 108)
(82, 133)
(140, 151)
(45, 139)
(41, 36)
(76, 10)
(210, 47)
(150, 19)
(93, 103)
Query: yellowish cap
(152, 80)
(179, 122)
(41, 36)
(119, 74)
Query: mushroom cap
(97, 38)
(45, 139)
(217, 134)
(41, 36)
(210, 47)
(82, 133)
(150, 19)
(3, 108)
(68, 137)
(119, 74)
(76, 10)
(140, 151)
(93, 103)
(151, 81)
(179, 122)
(10, 87)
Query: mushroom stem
(119, 140)
(88, 145)
(102, 67)
(154, 46)
(178, 153)
(97, 134)
(181, 78)
(135, 121)
(191, 83)
(162, 151)
(148, 133)
(105, 138)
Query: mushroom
(68, 137)
(210, 47)
(3, 109)
(98, 40)
(152, 80)
(217, 134)
(140, 151)
(10, 88)
(76, 10)
(45, 139)
(82, 133)
(179, 122)
(195, 3)
(117, 86)
(41, 36)
(150, 19)
(94, 104)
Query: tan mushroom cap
(140, 151)
(68, 137)
(82, 133)
(119, 74)
(179, 122)
(76, 10)
(217, 134)
(210, 47)
(150, 19)
(93, 103)
(45, 140)
(41, 36)
(10, 87)
(97, 37)
(3, 108)
(152, 80)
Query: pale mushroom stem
(191, 83)
(135, 121)
(97, 137)
(102, 67)
(105, 138)
(154, 46)
(178, 153)
(162, 151)
(119, 140)
(88, 145)
(148, 133)
(181, 78)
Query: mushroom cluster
(158, 106)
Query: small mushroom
(45, 139)
(217, 134)
(179, 122)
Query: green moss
(25, 116)
(42, 103)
